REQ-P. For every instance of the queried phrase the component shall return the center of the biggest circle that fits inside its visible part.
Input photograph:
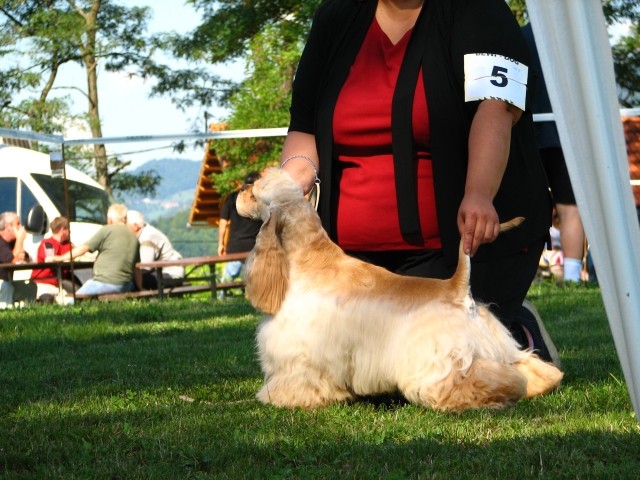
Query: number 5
(499, 72)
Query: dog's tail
(513, 223)
(461, 278)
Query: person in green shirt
(114, 269)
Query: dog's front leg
(306, 390)
(295, 375)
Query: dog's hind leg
(486, 384)
(542, 377)
(306, 390)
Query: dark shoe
(46, 298)
(534, 335)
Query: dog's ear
(268, 267)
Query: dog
(339, 328)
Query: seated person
(154, 246)
(114, 269)
(46, 279)
(12, 236)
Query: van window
(27, 201)
(8, 194)
(86, 203)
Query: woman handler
(414, 116)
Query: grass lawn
(165, 390)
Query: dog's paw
(306, 397)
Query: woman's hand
(478, 221)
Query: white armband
(489, 76)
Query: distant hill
(190, 242)
(177, 174)
(175, 192)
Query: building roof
(632, 137)
(205, 209)
(17, 142)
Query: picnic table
(196, 278)
(193, 272)
(59, 268)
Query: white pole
(572, 40)
(222, 134)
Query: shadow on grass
(575, 317)
(249, 441)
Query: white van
(26, 182)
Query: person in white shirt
(154, 246)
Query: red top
(48, 275)
(367, 217)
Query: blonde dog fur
(341, 328)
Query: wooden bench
(188, 287)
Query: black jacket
(450, 29)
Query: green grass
(165, 390)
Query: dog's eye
(245, 187)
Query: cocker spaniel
(340, 328)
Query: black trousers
(150, 281)
(501, 284)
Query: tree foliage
(190, 242)
(614, 10)
(39, 37)
(626, 57)
(262, 100)
(229, 25)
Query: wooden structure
(17, 142)
(205, 209)
(632, 137)
(207, 202)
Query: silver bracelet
(299, 155)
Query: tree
(626, 57)
(229, 25)
(41, 36)
(270, 36)
(190, 242)
(262, 99)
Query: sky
(125, 108)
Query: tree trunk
(100, 151)
(91, 67)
